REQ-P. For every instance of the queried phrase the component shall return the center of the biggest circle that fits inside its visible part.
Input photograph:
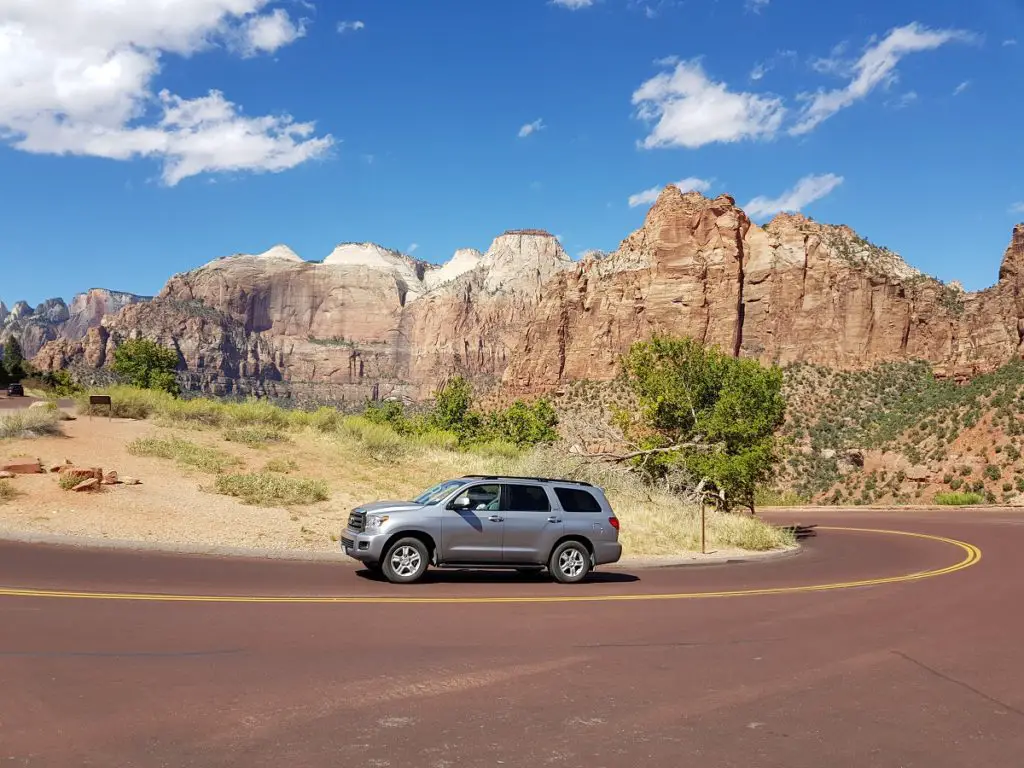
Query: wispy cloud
(413, 247)
(962, 87)
(688, 109)
(531, 128)
(649, 196)
(1009, 42)
(756, 6)
(573, 5)
(877, 66)
(1017, 208)
(350, 26)
(805, 192)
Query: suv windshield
(438, 492)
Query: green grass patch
(185, 453)
(29, 422)
(961, 499)
(255, 435)
(283, 466)
(272, 489)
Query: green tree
(705, 412)
(524, 424)
(14, 360)
(144, 363)
(452, 406)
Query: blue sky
(145, 144)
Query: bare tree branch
(618, 458)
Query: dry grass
(30, 422)
(255, 435)
(7, 491)
(185, 453)
(271, 489)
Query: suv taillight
(614, 522)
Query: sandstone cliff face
(53, 319)
(371, 321)
(793, 291)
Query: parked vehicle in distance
(15, 390)
(488, 521)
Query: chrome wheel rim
(571, 562)
(405, 561)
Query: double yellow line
(972, 555)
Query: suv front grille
(357, 521)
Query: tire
(570, 562)
(405, 561)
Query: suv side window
(577, 500)
(526, 498)
(482, 498)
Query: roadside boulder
(5, 475)
(92, 484)
(82, 472)
(23, 467)
(131, 481)
(110, 478)
(918, 474)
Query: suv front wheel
(570, 562)
(405, 561)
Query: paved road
(924, 673)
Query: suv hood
(389, 506)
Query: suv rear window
(576, 500)
(527, 498)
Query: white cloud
(1017, 208)
(350, 26)
(573, 5)
(649, 196)
(530, 128)
(877, 66)
(690, 110)
(76, 78)
(758, 71)
(413, 247)
(806, 191)
(962, 87)
(756, 6)
(1011, 41)
(267, 33)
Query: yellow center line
(972, 555)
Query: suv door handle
(496, 519)
(554, 519)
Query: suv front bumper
(364, 547)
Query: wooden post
(703, 538)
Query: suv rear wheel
(405, 561)
(570, 562)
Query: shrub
(7, 490)
(965, 470)
(947, 478)
(30, 422)
(185, 453)
(451, 406)
(13, 360)
(958, 499)
(145, 363)
(271, 489)
(379, 441)
(1007, 487)
(126, 402)
(254, 435)
(992, 472)
(67, 481)
(955, 483)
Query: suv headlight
(375, 523)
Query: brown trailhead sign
(101, 400)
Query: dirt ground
(169, 506)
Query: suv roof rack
(534, 479)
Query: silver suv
(481, 521)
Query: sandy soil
(169, 506)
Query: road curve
(132, 659)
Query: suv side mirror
(461, 502)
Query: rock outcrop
(54, 320)
(372, 321)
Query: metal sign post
(101, 400)
(703, 528)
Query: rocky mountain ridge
(372, 321)
(53, 319)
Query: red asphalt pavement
(919, 674)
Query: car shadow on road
(471, 576)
